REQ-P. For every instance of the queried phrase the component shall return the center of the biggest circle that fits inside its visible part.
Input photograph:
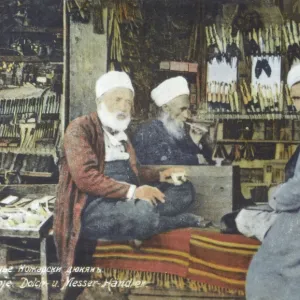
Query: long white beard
(175, 128)
(110, 120)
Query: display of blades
(291, 40)
(222, 44)
(245, 99)
(265, 41)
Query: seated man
(100, 195)
(274, 272)
(168, 140)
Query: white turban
(170, 89)
(111, 80)
(293, 75)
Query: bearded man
(168, 140)
(100, 195)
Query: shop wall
(88, 60)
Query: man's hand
(166, 175)
(196, 133)
(150, 194)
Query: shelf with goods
(36, 29)
(31, 105)
(234, 116)
(30, 133)
(264, 149)
(256, 177)
(233, 141)
(28, 59)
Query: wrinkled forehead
(180, 101)
(295, 90)
(118, 93)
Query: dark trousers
(119, 220)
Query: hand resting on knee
(150, 194)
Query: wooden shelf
(32, 59)
(33, 29)
(233, 116)
(34, 151)
(254, 184)
(258, 163)
(32, 174)
(231, 141)
(177, 71)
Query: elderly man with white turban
(274, 272)
(168, 140)
(100, 195)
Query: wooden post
(44, 277)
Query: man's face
(295, 95)
(119, 101)
(178, 108)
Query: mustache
(121, 114)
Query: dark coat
(155, 146)
(81, 173)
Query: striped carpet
(195, 259)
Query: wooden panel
(154, 293)
(25, 189)
(213, 186)
(150, 297)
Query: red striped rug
(195, 259)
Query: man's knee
(145, 220)
(185, 193)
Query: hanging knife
(290, 34)
(213, 94)
(223, 39)
(261, 98)
(208, 97)
(286, 40)
(231, 100)
(219, 43)
(267, 42)
(280, 98)
(235, 97)
(248, 95)
(8, 106)
(207, 36)
(46, 106)
(288, 99)
(219, 97)
(260, 41)
(295, 32)
(245, 99)
(271, 37)
(255, 98)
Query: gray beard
(174, 128)
(110, 120)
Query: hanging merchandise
(222, 97)
(79, 10)
(222, 46)
(223, 56)
(291, 40)
(221, 87)
(264, 42)
(266, 87)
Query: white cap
(111, 80)
(293, 75)
(170, 89)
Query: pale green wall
(88, 59)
